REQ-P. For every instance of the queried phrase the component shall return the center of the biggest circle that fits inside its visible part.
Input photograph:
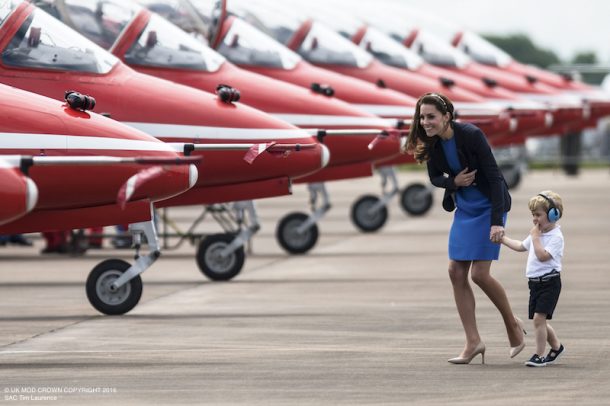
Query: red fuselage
(173, 113)
(32, 125)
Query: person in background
(95, 238)
(15, 239)
(56, 242)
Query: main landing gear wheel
(290, 239)
(103, 297)
(416, 199)
(364, 219)
(212, 264)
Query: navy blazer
(474, 153)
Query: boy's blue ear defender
(553, 214)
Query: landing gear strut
(108, 299)
(297, 232)
(113, 286)
(370, 213)
(221, 257)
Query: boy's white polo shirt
(552, 241)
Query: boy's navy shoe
(553, 354)
(536, 361)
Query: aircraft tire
(103, 298)
(416, 199)
(291, 241)
(365, 221)
(212, 264)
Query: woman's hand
(464, 178)
(496, 233)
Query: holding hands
(464, 178)
(496, 234)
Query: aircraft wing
(21, 165)
(253, 150)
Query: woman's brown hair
(418, 143)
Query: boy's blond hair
(539, 202)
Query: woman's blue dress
(469, 235)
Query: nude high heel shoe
(479, 349)
(514, 351)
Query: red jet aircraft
(41, 54)
(568, 113)
(529, 117)
(154, 46)
(88, 171)
(485, 53)
(304, 32)
(255, 51)
(227, 33)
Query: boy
(545, 246)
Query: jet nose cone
(548, 119)
(513, 124)
(31, 195)
(403, 143)
(325, 155)
(18, 192)
(158, 183)
(193, 175)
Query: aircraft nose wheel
(364, 218)
(213, 264)
(289, 237)
(106, 299)
(416, 199)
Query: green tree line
(520, 47)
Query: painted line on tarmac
(224, 350)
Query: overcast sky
(563, 26)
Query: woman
(460, 160)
